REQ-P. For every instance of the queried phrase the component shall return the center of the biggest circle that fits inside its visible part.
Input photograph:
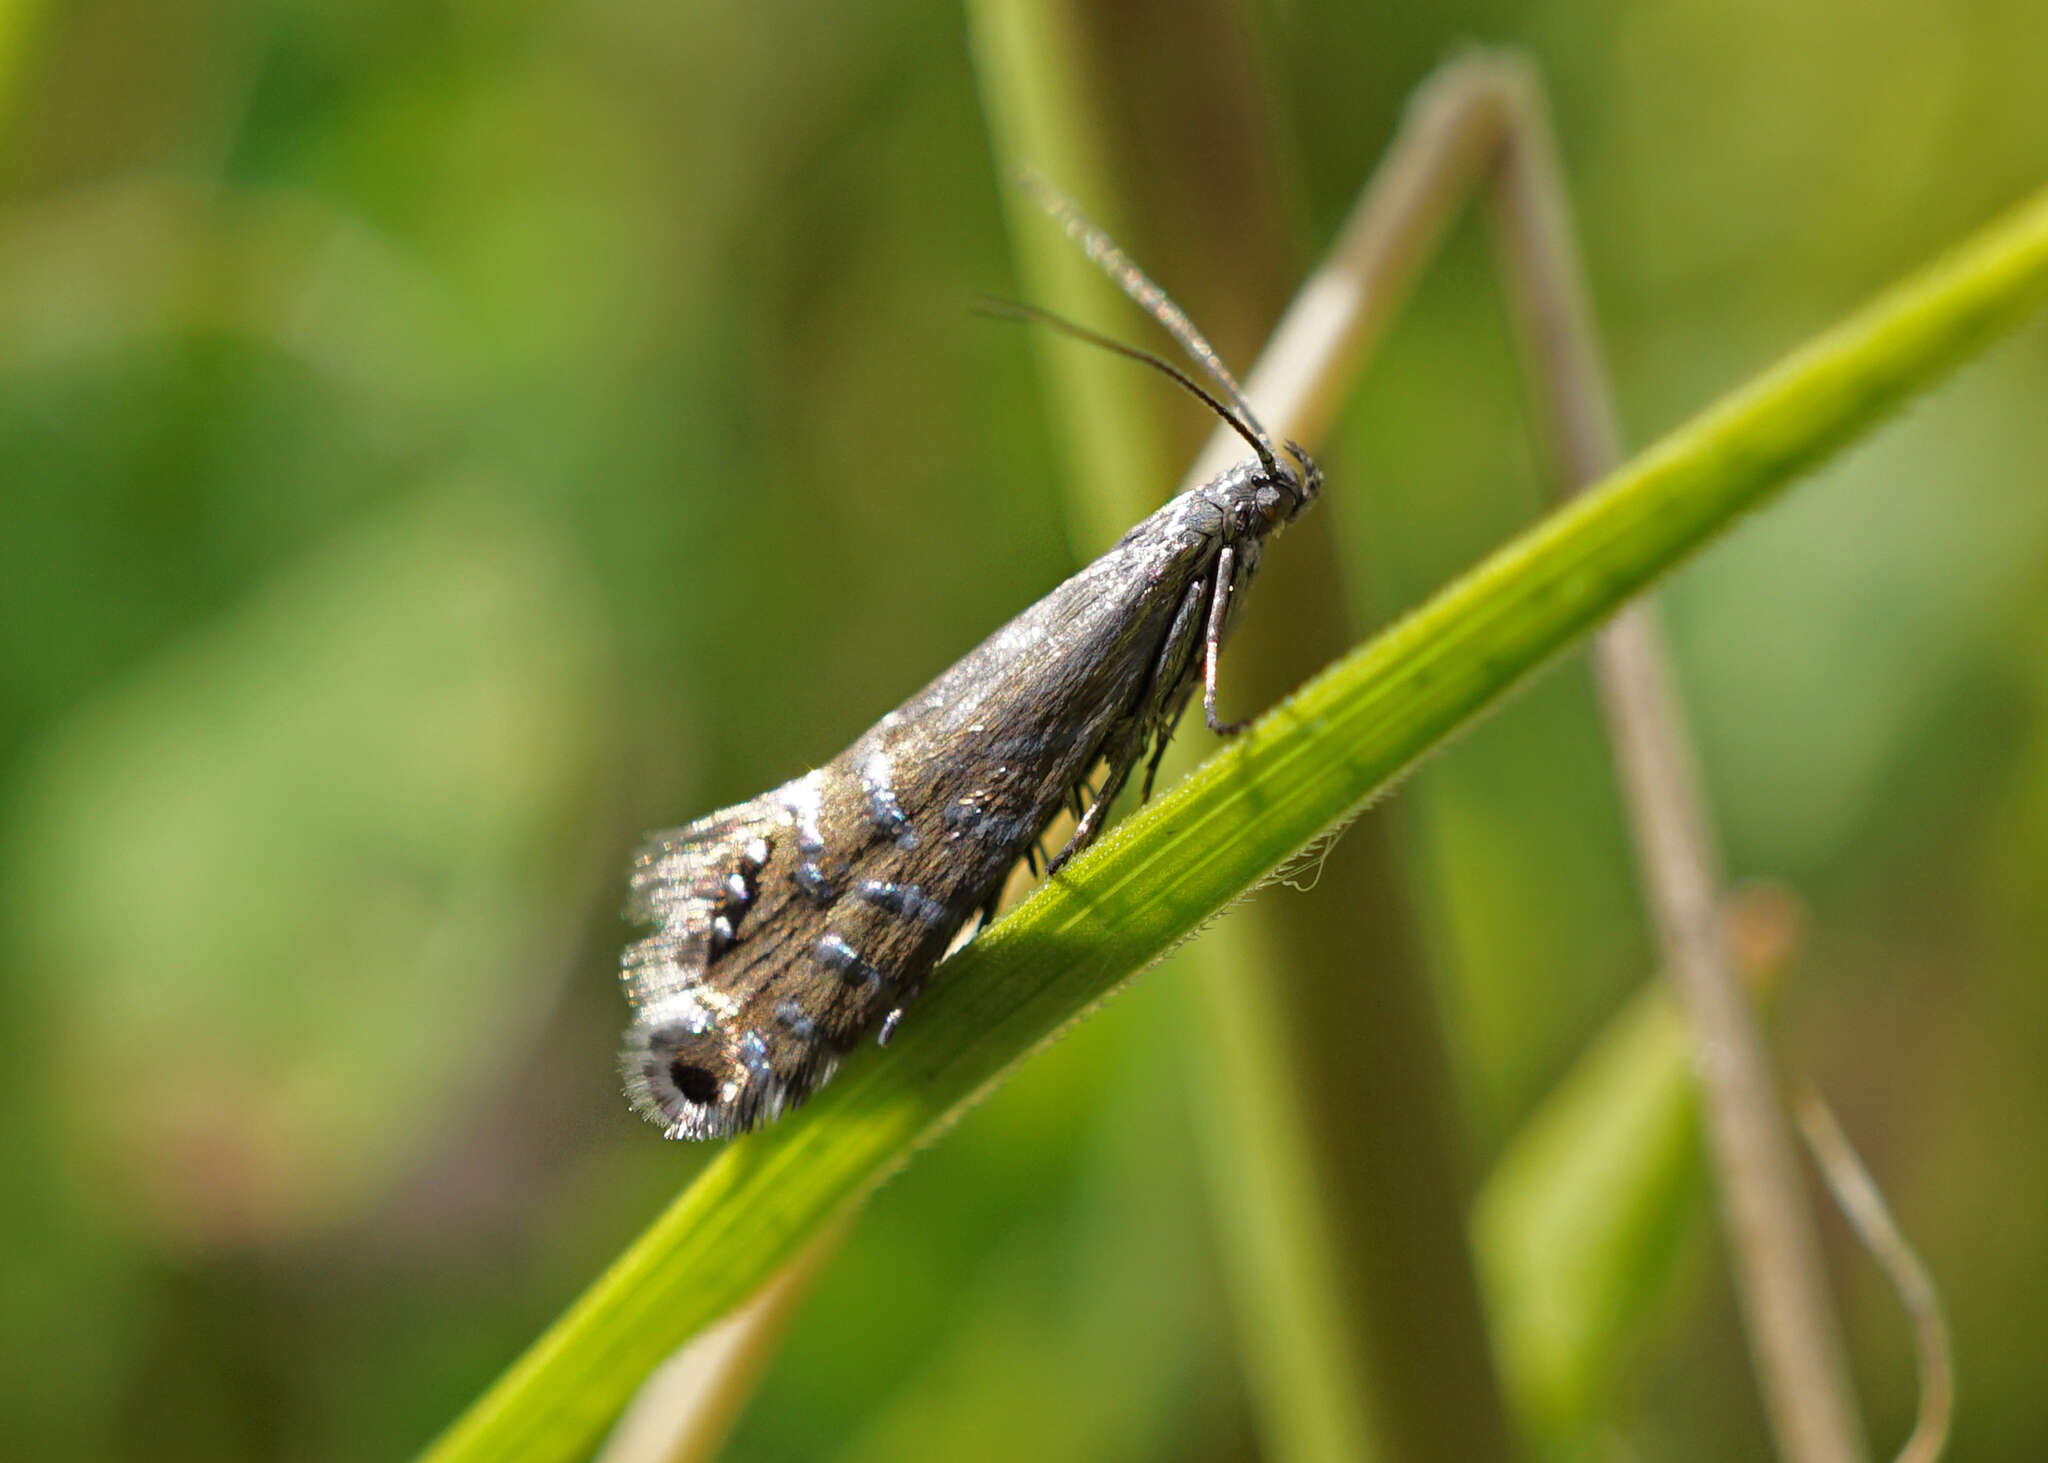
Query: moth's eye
(695, 1083)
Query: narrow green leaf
(1311, 763)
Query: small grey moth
(788, 927)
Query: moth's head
(689, 1075)
(1287, 481)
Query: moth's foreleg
(1170, 676)
(1212, 641)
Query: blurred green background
(440, 441)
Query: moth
(787, 928)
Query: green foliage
(1310, 764)
(316, 779)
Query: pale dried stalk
(1795, 1335)
(1483, 118)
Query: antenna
(1103, 252)
(1031, 314)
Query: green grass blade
(1310, 763)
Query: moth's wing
(788, 927)
(682, 884)
(706, 1054)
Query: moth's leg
(1121, 760)
(1162, 738)
(1149, 718)
(989, 909)
(1170, 673)
(1212, 640)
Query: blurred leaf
(301, 892)
(1916, 589)
(1119, 1317)
(98, 270)
(1310, 764)
(1578, 1226)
